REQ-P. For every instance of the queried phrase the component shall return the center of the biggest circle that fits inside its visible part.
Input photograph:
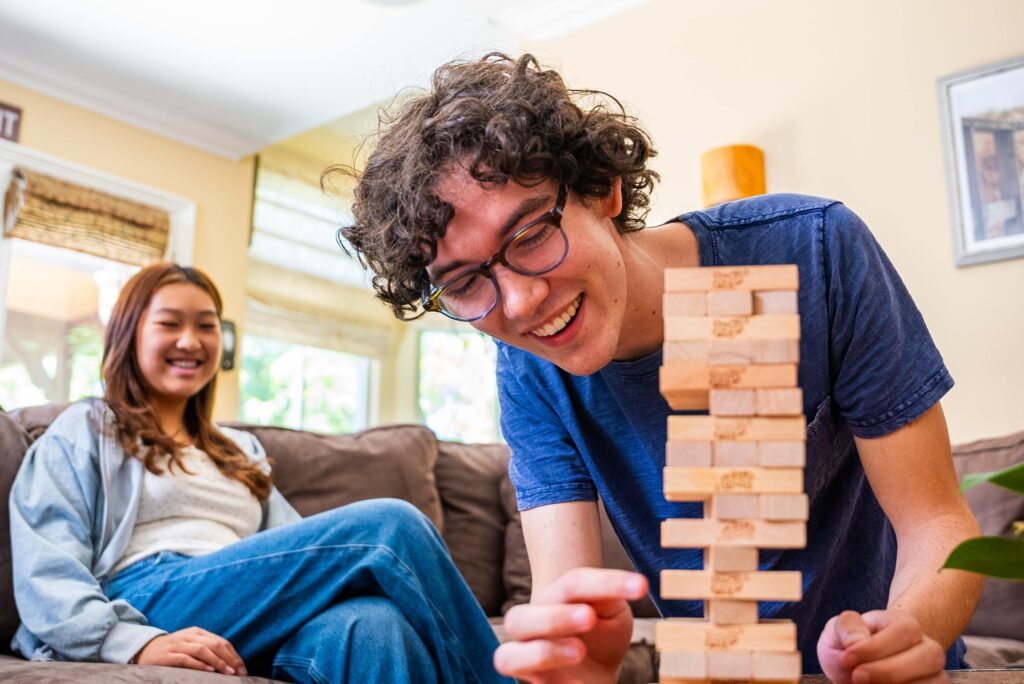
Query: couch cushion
(468, 479)
(14, 671)
(516, 567)
(1002, 604)
(319, 472)
(35, 419)
(13, 444)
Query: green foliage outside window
(305, 388)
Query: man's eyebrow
(526, 207)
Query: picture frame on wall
(983, 133)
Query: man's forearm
(942, 600)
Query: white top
(192, 513)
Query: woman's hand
(193, 648)
(576, 630)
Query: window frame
(182, 211)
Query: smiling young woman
(144, 533)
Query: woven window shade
(44, 209)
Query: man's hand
(879, 647)
(577, 629)
(192, 648)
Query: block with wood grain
(731, 349)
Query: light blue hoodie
(73, 506)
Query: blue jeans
(363, 593)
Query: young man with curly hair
(502, 198)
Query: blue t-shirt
(867, 367)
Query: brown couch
(464, 490)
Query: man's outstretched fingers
(523, 658)
(535, 621)
(594, 586)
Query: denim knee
(379, 642)
(393, 517)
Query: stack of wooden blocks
(732, 344)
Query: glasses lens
(469, 296)
(538, 249)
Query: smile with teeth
(184, 363)
(558, 323)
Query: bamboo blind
(44, 209)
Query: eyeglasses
(533, 250)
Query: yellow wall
(841, 96)
(221, 189)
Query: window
(55, 305)
(303, 387)
(71, 237)
(458, 397)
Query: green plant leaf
(1011, 478)
(1001, 557)
(1018, 528)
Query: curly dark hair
(502, 118)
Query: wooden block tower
(732, 344)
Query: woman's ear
(612, 203)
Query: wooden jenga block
(781, 454)
(768, 302)
(731, 402)
(689, 454)
(777, 666)
(691, 634)
(728, 612)
(731, 558)
(690, 533)
(777, 585)
(781, 401)
(685, 665)
(731, 665)
(770, 277)
(730, 352)
(730, 303)
(734, 454)
(684, 304)
(686, 400)
(786, 428)
(740, 352)
(785, 327)
(697, 484)
(735, 506)
(775, 351)
(783, 507)
(692, 351)
(696, 376)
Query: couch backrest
(318, 472)
(13, 443)
(1001, 610)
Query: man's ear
(612, 203)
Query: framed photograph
(983, 130)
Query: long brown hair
(138, 426)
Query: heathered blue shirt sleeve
(546, 466)
(885, 369)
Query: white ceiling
(234, 76)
